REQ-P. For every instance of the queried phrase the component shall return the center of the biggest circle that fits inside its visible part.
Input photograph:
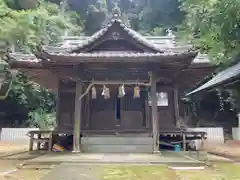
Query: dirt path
(230, 150)
(7, 148)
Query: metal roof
(220, 78)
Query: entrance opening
(118, 110)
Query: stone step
(113, 140)
(117, 148)
(115, 144)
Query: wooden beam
(77, 118)
(155, 126)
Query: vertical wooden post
(202, 141)
(184, 141)
(88, 101)
(146, 109)
(31, 141)
(155, 126)
(50, 141)
(77, 118)
(38, 142)
(176, 103)
(58, 104)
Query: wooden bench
(37, 136)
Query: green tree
(214, 27)
(22, 4)
(95, 16)
(26, 28)
(160, 14)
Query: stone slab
(116, 158)
(114, 148)
(117, 144)
(117, 140)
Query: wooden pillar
(50, 142)
(31, 141)
(146, 109)
(184, 141)
(58, 104)
(155, 126)
(176, 103)
(38, 143)
(88, 101)
(77, 118)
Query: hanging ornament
(106, 92)
(121, 91)
(94, 93)
(136, 93)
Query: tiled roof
(220, 78)
(164, 43)
(118, 54)
(24, 57)
(166, 59)
(135, 35)
(168, 44)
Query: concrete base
(76, 151)
(157, 152)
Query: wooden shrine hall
(117, 91)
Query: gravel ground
(12, 147)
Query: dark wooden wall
(100, 114)
(103, 113)
(66, 110)
(166, 116)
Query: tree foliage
(214, 26)
(43, 25)
(26, 26)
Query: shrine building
(117, 91)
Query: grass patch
(26, 174)
(230, 170)
(222, 171)
(208, 174)
(138, 173)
